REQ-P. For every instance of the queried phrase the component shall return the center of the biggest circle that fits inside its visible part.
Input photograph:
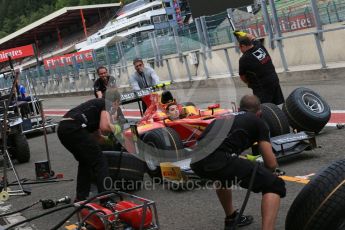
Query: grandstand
(142, 16)
(330, 10)
(285, 4)
(63, 32)
(57, 33)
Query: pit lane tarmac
(193, 209)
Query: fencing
(200, 50)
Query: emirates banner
(298, 22)
(67, 59)
(18, 52)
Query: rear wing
(135, 96)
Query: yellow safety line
(71, 227)
(295, 179)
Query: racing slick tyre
(306, 110)
(19, 147)
(275, 119)
(125, 170)
(155, 141)
(321, 203)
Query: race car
(164, 146)
(155, 131)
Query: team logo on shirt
(260, 54)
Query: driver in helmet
(173, 110)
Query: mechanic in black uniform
(103, 82)
(257, 71)
(225, 166)
(78, 132)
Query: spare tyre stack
(306, 110)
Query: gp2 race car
(155, 142)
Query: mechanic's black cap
(167, 97)
(244, 41)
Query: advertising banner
(293, 23)
(18, 52)
(67, 59)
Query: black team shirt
(88, 113)
(256, 64)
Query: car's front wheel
(160, 144)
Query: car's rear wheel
(157, 143)
(275, 119)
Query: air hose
(244, 204)
(20, 210)
(39, 216)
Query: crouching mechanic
(78, 130)
(225, 166)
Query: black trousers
(234, 171)
(88, 153)
(269, 94)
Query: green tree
(8, 25)
(3, 34)
(23, 21)
(85, 2)
(60, 4)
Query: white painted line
(331, 124)
(63, 110)
(130, 117)
(130, 109)
(306, 177)
(53, 115)
(337, 111)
